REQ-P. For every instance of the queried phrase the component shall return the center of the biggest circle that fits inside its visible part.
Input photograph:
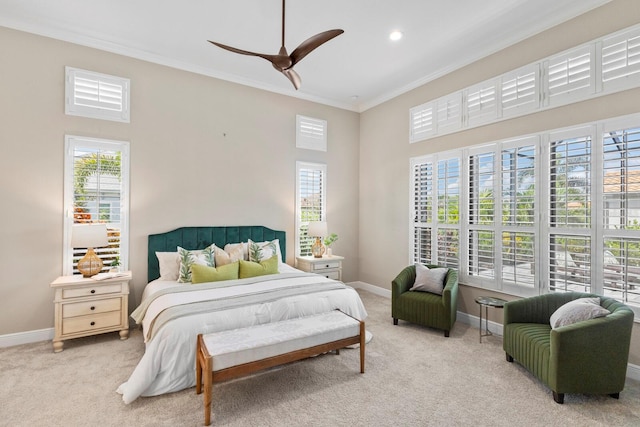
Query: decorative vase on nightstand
(329, 252)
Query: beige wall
(184, 170)
(385, 150)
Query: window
(422, 122)
(553, 212)
(621, 60)
(96, 95)
(482, 103)
(519, 91)
(310, 202)
(570, 76)
(600, 67)
(96, 190)
(311, 133)
(435, 208)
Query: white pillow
(429, 279)
(576, 311)
(263, 251)
(229, 247)
(189, 257)
(169, 263)
(223, 257)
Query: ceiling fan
(284, 62)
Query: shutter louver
(96, 95)
(517, 258)
(621, 61)
(570, 76)
(449, 114)
(482, 103)
(311, 134)
(520, 91)
(422, 122)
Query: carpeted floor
(414, 377)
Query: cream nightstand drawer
(91, 307)
(335, 275)
(325, 265)
(91, 322)
(91, 291)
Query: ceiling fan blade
(293, 77)
(311, 43)
(271, 58)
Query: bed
(172, 314)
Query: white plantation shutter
(520, 90)
(449, 113)
(570, 158)
(570, 76)
(518, 201)
(310, 202)
(481, 212)
(422, 209)
(621, 60)
(422, 122)
(311, 133)
(482, 103)
(96, 95)
(97, 191)
(448, 177)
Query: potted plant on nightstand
(115, 265)
(328, 241)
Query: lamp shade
(89, 236)
(317, 229)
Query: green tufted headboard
(201, 237)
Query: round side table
(487, 302)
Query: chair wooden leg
(558, 397)
(395, 321)
(615, 395)
(509, 358)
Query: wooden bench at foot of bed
(229, 354)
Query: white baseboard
(633, 371)
(28, 337)
(371, 288)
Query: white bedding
(168, 362)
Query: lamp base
(317, 250)
(90, 264)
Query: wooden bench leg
(363, 338)
(208, 386)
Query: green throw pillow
(253, 269)
(203, 274)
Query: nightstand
(85, 306)
(329, 267)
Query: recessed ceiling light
(395, 35)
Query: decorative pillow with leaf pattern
(262, 251)
(189, 257)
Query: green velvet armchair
(587, 357)
(424, 308)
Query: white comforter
(168, 362)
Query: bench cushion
(239, 346)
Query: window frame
(299, 223)
(71, 143)
(99, 109)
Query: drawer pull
(326, 266)
(93, 307)
(93, 291)
(93, 323)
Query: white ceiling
(357, 70)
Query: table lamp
(89, 236)
(317, 229)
